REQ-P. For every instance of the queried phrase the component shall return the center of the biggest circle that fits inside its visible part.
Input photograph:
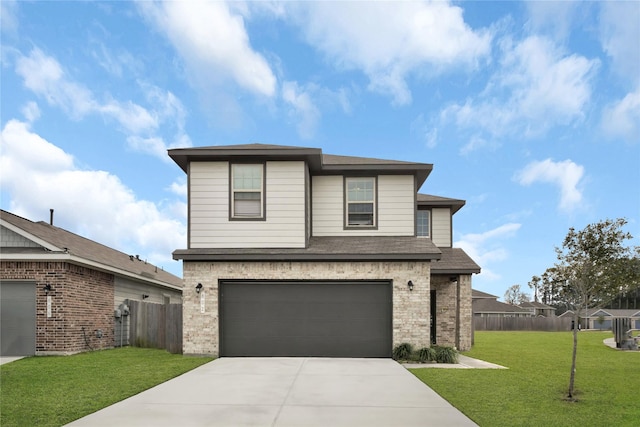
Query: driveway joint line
(286, 397)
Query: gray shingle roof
(487, 305)
(454, 261)
(326, 249)
(479, 294)
(535, 304)
(63, 242)
(429, 200)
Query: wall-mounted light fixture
(410, 285)
(145, 296)
(198, 287)
(47, 288)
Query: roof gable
(63, 244)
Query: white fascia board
(62, 256)
(30, 236)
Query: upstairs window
(423, 221)
(360, 202)
(247, 191)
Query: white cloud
(389, 41)
(95, 204)
(8, 16)
(555, 17)
(622, 118)
(566, 175)
(44, 75)
(31, 111)
(214, 43)
(536, 88)
(619, 35)
(302, 108)
(487, 248)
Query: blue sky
(529, 111)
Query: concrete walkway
(464, 362)
(9, 359)
(280, 392)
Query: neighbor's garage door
(17, 318)
(330, 319)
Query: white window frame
(233, 191)
(373, 201)
(428, 235)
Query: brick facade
(81, 305)
(410, 308)
(453, 313)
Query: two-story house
(292, 252)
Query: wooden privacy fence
(550, 324)
(155, 325)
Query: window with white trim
(360, 202)
(247, 191)
(423, 221)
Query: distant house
(487, 305)
(62, 293)
(600, 318)
(538, 308)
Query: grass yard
(531, 391)
(55, 390)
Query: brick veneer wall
(81, 304)
(466, 313)
(453, 316)
(410, 308)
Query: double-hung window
(423, 222)
(360, 202)
(247, 191)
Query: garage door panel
(339, 319)
(18, 318)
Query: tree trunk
(572, 378)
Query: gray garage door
(17, 318)
(328, 319)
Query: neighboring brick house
(292, 252)
(59, 291)
(487, 305)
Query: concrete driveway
(285, 392)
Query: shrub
(446, 354)
(402, 351)
(426, 354)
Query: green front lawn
(532, 391)
(55, 390)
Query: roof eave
(182, 156)
(67, 257)
(187, 255)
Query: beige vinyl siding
(395, 207)
(441, 227)
(210, 226)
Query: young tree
(514, 295)
(592, 268)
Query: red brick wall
(81, 304)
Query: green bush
(426, 354)
(446, 354)
(402, 351)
